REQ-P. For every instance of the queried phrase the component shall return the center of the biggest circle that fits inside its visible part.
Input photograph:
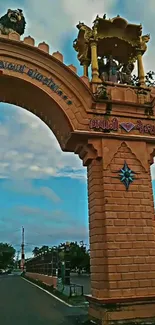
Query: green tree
(77, 254)
(38, 250)
(149, 79)
(35, 251)
(44, 248)
(7, 254)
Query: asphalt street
(21, 303)
(82, 279)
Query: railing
(76, 290)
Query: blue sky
(42, 188)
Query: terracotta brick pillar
(121, 235)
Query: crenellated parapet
(12, 27)
(43, 46)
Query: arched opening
(66, 114)
(37, 101)
(42, 188)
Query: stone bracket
(151, 153)
(90, 150)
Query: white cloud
(28, 149)
(25, 187)
(36, 152)
(42, 227)
(52, 20)
(142, 11)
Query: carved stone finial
(13, 21)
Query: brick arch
(17, 95)
(121, 222)
(63, 103)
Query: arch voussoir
(55, 92)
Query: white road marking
(49, 293)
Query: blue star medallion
(126, 175)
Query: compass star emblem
(126, 175)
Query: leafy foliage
(35, 251)
(38, 250)
(7, 254)
(149, 79)
(76, 253)
(78, 256)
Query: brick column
(97, 229)
(121, 238)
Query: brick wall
(126, 312)
(121, 229)
(49, 280)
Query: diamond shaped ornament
(126, 175)
(127, 126)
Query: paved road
(21, 303)
(82, 279)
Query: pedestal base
(132, 311)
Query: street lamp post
(54, 260)
(67, 264)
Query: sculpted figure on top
(12, 21)
(115, 72)
(143, 40)
(119, 43)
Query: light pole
(54, 261)
(67, 264)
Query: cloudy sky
(37, 180)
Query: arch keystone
(58, 56)
(29, 40)
(73, 68)
(44, 47)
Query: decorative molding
(110, 148)
(89, 151)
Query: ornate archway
(110, 125)
(33, 79)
